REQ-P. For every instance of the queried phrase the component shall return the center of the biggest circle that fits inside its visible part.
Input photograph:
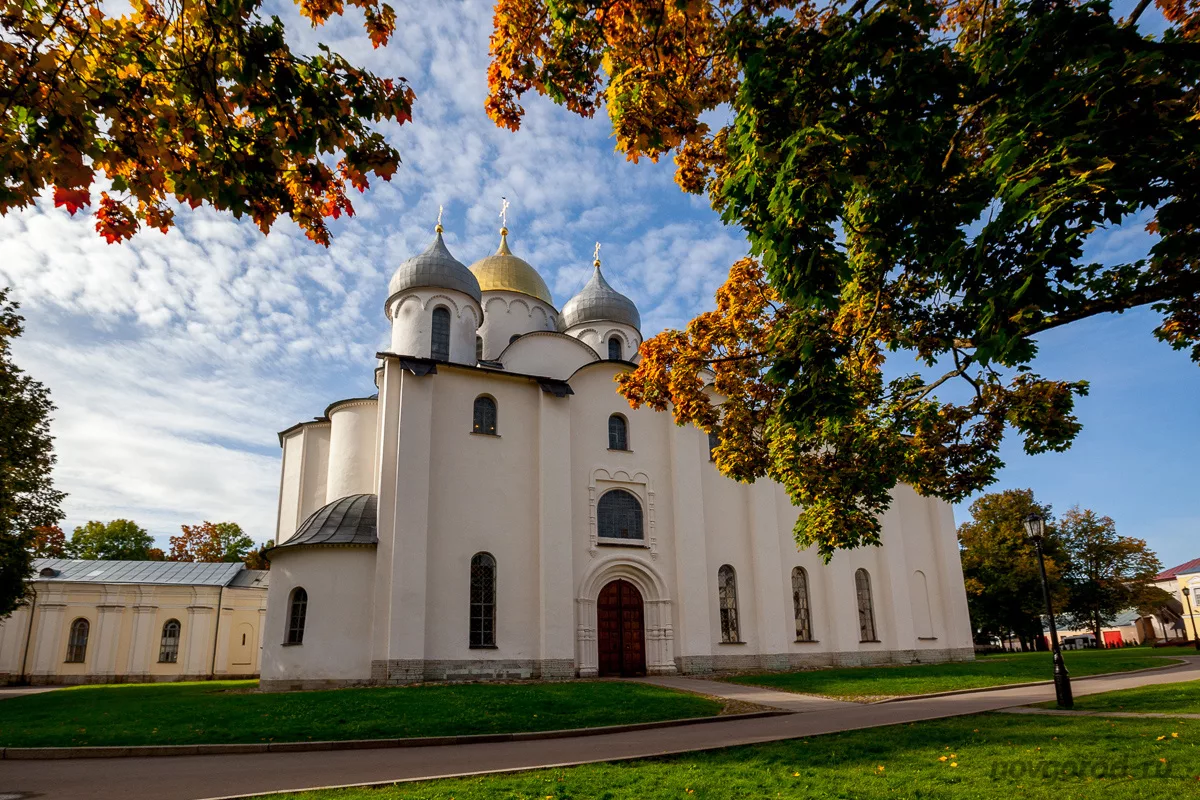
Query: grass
(864, 683)
(1166, 698)
(225, 712)
(966, 758)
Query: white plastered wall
(352, 439)
(508, 314)
(596, 335)
(411, 313)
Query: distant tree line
(1093, 572)
(125, 540)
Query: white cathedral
(497, 510)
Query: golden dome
(502, 271)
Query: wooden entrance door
(621, 636)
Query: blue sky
(174, 359)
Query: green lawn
(874, 682)
(1182, 698)
(192, 713)
(967, 758)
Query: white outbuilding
(497, 510)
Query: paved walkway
(788, 701)
(194, 777)
(16, 691)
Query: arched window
(619, 516)
(800, 605)
(483, 600)
(714, 439)
(618, 433)
(614, 348)
(479, 348)
(866, 609)
(439, 339)
(727, 596)
(297, 609)
(485, 416)
(168, 648)
(77, 641)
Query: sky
(174, 359)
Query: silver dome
(434, 268)
(598, 301)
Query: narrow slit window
(483, 600)
(439, 341)
(614, 348)
(618, 433)
(727, 597)
(866, 607)
(800, 604)
(297, 611)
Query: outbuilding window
(619, 516)
(618, 433)
(614, 348)
(297, 610)
(168, 648)
(439, 338)
(727, 599)
(483, 600)
(866, 608)
(484, 416)
(77, 641)
(800, 605)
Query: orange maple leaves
(189, 104)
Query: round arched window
(619, 516)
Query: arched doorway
(620, 630)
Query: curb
(905, 697)
(147, 751)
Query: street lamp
(1035, 527)
(1187, 595)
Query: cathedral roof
(434, 268)
(347, 520)
(502, 271)
(598, 301)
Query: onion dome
(434, 268)
(502, 271)
(346, 521)
(598, 301)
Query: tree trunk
(1099, 634)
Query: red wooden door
(620, 633)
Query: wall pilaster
(555, 571)
(692, 580)
(770, 597)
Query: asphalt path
(228, 776)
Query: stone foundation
(779, 662)
(79, 680)
(411, 671)
(403, 671)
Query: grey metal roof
(251, 579)
(348, 520)
(434, 268)
(183, 573)
(598, 301)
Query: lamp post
(1035, 527)
(1187, 595)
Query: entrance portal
(620, 628)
